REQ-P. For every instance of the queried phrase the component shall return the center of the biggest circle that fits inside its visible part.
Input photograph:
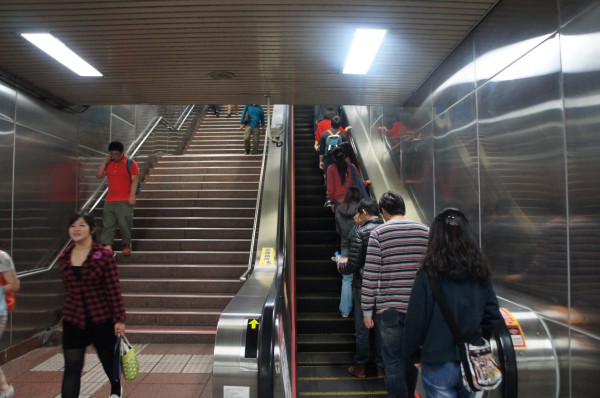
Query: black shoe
(247, 152)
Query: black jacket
(474, 305)
(358, 240)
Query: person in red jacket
(341, 176)
(121, 197)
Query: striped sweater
(393, 255)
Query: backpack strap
(129, 165)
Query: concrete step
(177, 300)
(203, 177)
(192, 233)
(180, 285)
(194, 193)
(221, 271)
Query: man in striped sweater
(393, 255)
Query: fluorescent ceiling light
(57, 50)
(365, 45)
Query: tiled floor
(172, 371)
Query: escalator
(325, 340)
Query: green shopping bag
(129, 361)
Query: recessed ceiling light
(63, 54)
(365, 45)
(221, 75)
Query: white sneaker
(8, 393)
(113, 395)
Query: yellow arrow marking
(254, 323)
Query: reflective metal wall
(48, 161)
(514, 118)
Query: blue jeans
(346, 295)
(444, 380)
(367, 341)
(400, 374)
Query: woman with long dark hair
(93, 310)
(463, 274)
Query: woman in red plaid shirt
(93, 310)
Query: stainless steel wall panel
(87, 163)
(44, 186)
(121, 130)
(568, 9)
(8, 98)
(455, 79)
(538, 90)
(38, 116)
(512, 29)
(561, 341)
(7, 137)
(94, 128)
(143, 116)
(523, 174)
(456, 160)
(124, 112)
(585, 366)
(582, 107)
(417, 159)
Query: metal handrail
(244, 276)
(183, 117)
(96, 202)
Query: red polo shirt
(119, 180)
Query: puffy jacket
(474, 306)
(358, 240)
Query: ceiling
(164, 51)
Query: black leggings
(75, 342)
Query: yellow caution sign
(267, 257)
(514, 328)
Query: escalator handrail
(508, 361)
(270, 310)
(261, 181)
(358, 159)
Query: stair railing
(100, 193)
(248, 271)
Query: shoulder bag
(480, 372)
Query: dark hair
(88, 218)
(393, 203)
(339, 156)
(336, 122)
(452, 245)
(369, 206)
(353, 195)
(116, 146)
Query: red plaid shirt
(97, 294)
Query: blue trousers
(400, 374)
(444, 380)
(368, 343)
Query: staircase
(325, 340)
(192, 231)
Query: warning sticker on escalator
(267, 257)
(516, 333)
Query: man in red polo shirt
(120, 200)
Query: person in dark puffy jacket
(463, 274)
(366, 219)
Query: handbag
(357, 181)
(129, 360)
(11, 301)
(479, 369)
